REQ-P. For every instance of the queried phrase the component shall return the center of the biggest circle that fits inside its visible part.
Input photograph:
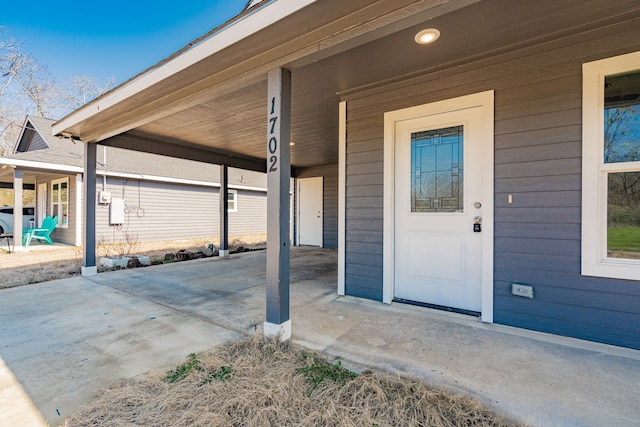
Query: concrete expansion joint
(177, 310)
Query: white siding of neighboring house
(164, 211)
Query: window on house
(232, 200)
(611, 168)
(60, 201)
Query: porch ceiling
(333, 48)
(6, 180)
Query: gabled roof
(252, 3)
(69, 155)
(30, 129)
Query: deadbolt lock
(477, 221)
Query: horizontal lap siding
(364, 204)
(251, 217)
(159, 211)
(538, 147)
(163, 211)
(538, 95)
(330, 211)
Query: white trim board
(594, 258)
(342, 191)
(53, 167)
(484, 100)
(177, 180)
(79, 183)
(40, 165)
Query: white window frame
(60, 181)
(235, 201)
(595, 171)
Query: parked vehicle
(6, 218)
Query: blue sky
(110, 39)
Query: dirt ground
(42, 262)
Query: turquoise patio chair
(42, 233)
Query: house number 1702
(272, 146)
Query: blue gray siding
(329, 201)
(364, 202)
(538, 93)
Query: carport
(309, 88)
(280, 67)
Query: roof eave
(249, 22)
(31, 164)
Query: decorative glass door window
(437, 170)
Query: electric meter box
(104, 197)
(116, 211)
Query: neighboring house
(159, 198)
(479, 173)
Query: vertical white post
(77, 241)
(278, 321)
(17, 210)
(224, 211)
(342, 189)
(89, 267)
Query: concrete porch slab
(65, 340)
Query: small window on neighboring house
(232, 200)
(611, 168)
(60, 201)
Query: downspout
(104, 165)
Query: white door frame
(484, 100)
(298, 210)
(41, 205)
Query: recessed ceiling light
(427, 36)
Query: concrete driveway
(61, 342)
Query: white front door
(310, 211)
(438, 202)
(41, 202)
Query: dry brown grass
(43, 262)
(39, 265)
(267, 386)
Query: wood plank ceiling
(233, 119)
